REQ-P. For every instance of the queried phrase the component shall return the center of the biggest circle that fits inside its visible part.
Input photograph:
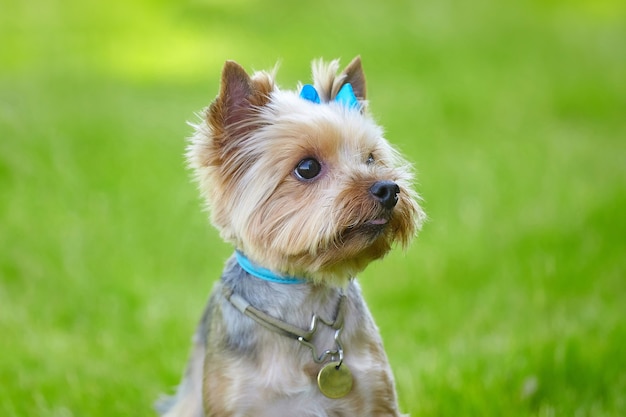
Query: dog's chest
(283, 380)
(279, 375)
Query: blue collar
(264, 274)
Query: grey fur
(294, 304)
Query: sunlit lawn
(512, 302)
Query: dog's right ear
(239, 95)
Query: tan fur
(326, 230)
(230, 156)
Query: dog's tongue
(378, 221)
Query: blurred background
(511, 302)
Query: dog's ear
(239, 95)
(354, 75)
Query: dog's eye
(370, 159)
(308, 168)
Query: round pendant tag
(334, 380)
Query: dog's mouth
(371, 228)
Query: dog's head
(304, 183)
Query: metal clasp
(336, 355)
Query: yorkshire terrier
(309, 192)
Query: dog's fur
(325, 230)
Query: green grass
(512, 302)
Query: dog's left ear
(354, 75)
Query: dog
(306, 188)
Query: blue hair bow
(345, 96)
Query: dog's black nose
(386, 192)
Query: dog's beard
(332, 241)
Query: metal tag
(334, 380)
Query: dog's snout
(386, 192)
